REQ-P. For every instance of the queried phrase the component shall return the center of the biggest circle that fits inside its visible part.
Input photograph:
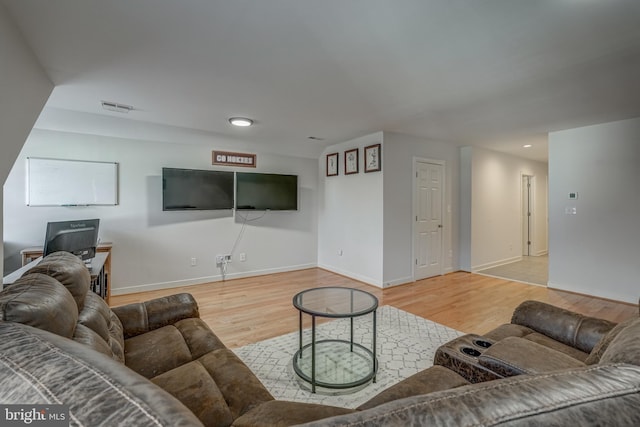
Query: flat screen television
(266, 192)
(80, 237)
(192, 189)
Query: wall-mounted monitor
(192, 189)
(79, 237)
(266, 191)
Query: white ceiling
(496, 73)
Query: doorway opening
(533, 267)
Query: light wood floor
(244, 311)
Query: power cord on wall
(245, 219)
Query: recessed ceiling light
(527, 146)
(240, 121)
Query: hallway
(533, 270)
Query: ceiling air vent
(114, 106)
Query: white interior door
(428, 219)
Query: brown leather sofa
(161, 342)
(549, 366)
(157, 363)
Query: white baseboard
(495, 263)
(398, 282)
(352, 275)
(123, 290)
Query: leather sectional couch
(157, 363)
(151, 348)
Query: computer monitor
(79, 237)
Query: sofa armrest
(138, 318)
(516, 356)
(568, 327)
(600, 395)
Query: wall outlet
(194, 262)
(223, 259)
(243, 257)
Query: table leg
(300, 340)
(352, 321)
(352, 335)
(375, 360)
(313, 354)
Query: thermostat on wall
(573, 195)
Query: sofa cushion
(557, 346)
(88, 337)
(517, 356)
(116, 341)
(625, 347)
(278, 413)
(38, 367)
(198, 336)
(40, 301)
(435, 378)
(508, 330)
(160, 350)
(69, 270)
(138, 318)
(156, 352)
(192, 385)
(591, 396)
(242, 390)
(568, 327)
(601, 347)
(97, 316)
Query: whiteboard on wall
(57, 182)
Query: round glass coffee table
(335, 363)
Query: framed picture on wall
(351, 161)
(372, 158)
(332, 164)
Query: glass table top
(335, 302)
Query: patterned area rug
(406, 344)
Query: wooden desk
(30, 254)
(99, 269)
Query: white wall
(368, 216)
(496, 206)
(596, 251)
(24, 88)
(399, 153)
(152, 248)
(351, 216)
